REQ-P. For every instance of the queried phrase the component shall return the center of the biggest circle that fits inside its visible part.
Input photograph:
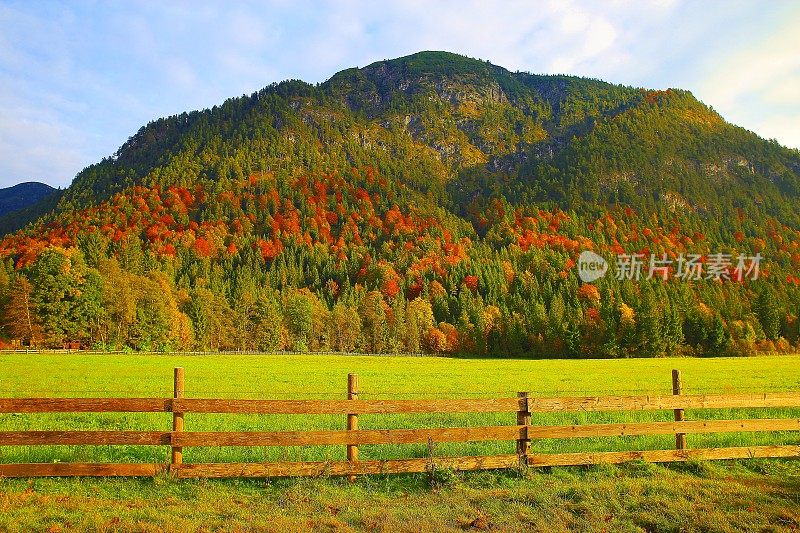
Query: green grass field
(719, 496)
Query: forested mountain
(429, 203)
(25, 202)
(22, 195)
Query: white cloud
(772, 63)
(758, 85)
(782, 127)
(32, 148)
(787, 92)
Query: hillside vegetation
(429, 203)
(24, 202)
(22, 195)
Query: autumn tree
(268, 323)
(119, 302)
(299, 314)
(212, 319)
(345, 328)
(419, 319)
(21, 320)
(67, 302)
(374, 322)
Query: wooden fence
(523, 432)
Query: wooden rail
(522, 431)
(343, 407)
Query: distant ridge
(23, 195)
(18, 203)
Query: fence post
(177, 418)
(677, 390)
(352, 419)
(523, 419)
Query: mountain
(24, 203)
(432, 202)
(23, 195)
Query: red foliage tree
(202, 247)
(391, 288)
(471, 282)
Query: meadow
(753, 494)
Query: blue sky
(78, 78)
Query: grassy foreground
(744, 495)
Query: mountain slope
(443, 116)
(432, 202)
(24, 203)
(22, 195)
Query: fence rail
(343, 407)
(523, 432)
